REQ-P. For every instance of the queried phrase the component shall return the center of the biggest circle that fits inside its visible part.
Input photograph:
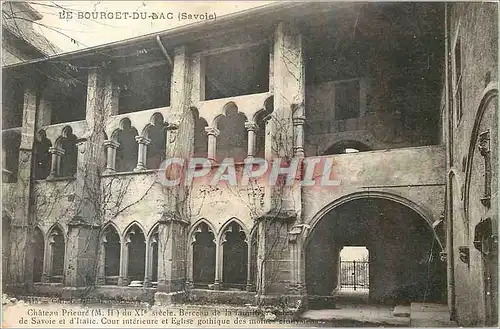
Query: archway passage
(404, 262)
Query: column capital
(212, 131)
(143, 140)
(251, 126)
(56, 150)
(172, 126)
(299, 120)
(111, 143)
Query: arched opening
(57, 248)
(235, 257)
(69, 158)
(157, 133)
(203, 256)
(233, 138)
(43, 158)
(404, 263)
(136, 247)
(126, 154)
(348, 146)
(261, 119)
(200, 135)
(39, 254)
(112, 248)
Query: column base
(169, 298)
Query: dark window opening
(43, 158)
(203, 256)
(127, 152)
(458, 79)
(235, 260)
(39, 254)
(68, 100)
(157, 133)
(144, 89)
(233, 138)
(58, 250)
(239, 72)
(154, 255)
(112, 248)
(347, 100)
(136, 255)
(346, 147)
(12, 102)
(200, 135)
(261, 120)
(69, 158)
(11, 141)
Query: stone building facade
(366, 88)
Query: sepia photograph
(176, 164)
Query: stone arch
(134, 244)
(56, 242)
(156, 132)
(374, 220)
(43, 158)
(200, 135)
(420, 210)
(128, 149)
(488, 95)
(111, 252)
(343, 146)
(69, 157)
(202, 254)
(233, 240)
(228, 222)
(233, 138)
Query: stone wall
(476, 26)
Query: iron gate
(354, 274)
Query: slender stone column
(218, 265)
(111, 147)
(101, 274)
(249, 264)
(123, 280)
(251, 128)
(142, 154)
(55, 165)
(212, 133)
(298, 125)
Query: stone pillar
(212, 133)
(218, 265)
(142, 154)
(147, 269)
(122, 279)
(55, 164)
(81, 263)
(251, 128)
(289, 95)
(101, 264)
(172, 243)
(83, 228)
(111, 147)
(249, 264)
(298, 124)
(20, 270)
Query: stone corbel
(298, 231)
(172, 131)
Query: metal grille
(354, 274)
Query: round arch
(421, 211)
